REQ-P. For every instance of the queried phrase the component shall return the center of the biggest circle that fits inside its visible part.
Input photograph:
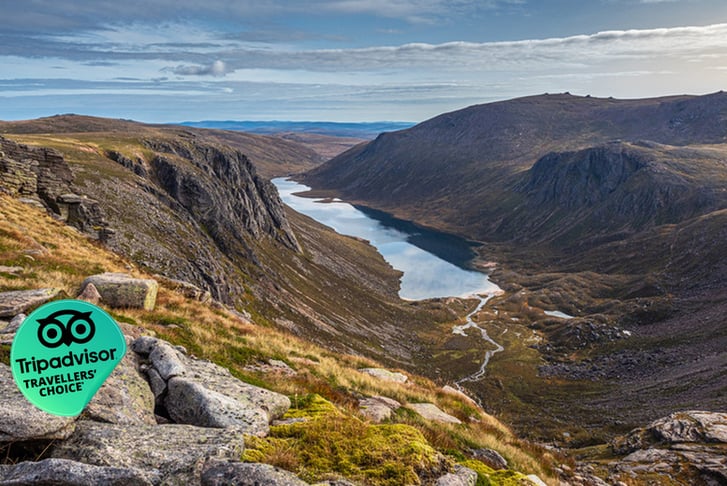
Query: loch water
(434, 264)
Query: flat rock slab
(62, 472)
(21, 301)
(21, 421)
(217, 473)
(386, 375)
(378, 409)
(174, 452)
(124, 291)
(431, 412)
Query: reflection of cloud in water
(425, 275)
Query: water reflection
(434, 264)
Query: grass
(325, 388)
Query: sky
(345, 60)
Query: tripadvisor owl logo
(63, 353)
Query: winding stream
(471, 324)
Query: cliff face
(43, 176)
(615, 189)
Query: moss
(5, 354)
(334, 443)
(487, 476)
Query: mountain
(612, 211)
(454, 170)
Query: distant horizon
(344, 61)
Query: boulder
(125, 397)
(202, 393)
(218, 473)
(21, 421)
(20, 301)
(384, 374)
(461, 476)
(431, 412)
(173, 452)
(378, 409)
(90, 294)
(63, 472)
(490, 457)
(123, 291)
(11, 270)
(191, 403)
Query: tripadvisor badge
(62, 354)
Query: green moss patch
(331, 443)
(487, 476)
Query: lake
(433, 264)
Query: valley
(587, 285)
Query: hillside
(316, 386)
(186, 206)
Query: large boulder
(191, 403)
(125, 397)
(19, 301)
(176, 453)
(20, 421)
(63, 472)
(218, 473)
(202, 393)
(124, 291)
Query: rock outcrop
(42, 175)
(431, 412)
(689, 445)
(21, 301)
(204, 394)
(118, 439)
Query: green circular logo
(63, 353)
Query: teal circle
(62, 354)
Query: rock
(218, 473)
(10, 270)
(431, 412)
(90, 294)
(201, 393)
(125, 397)
(461, 476)
(691, 426)
(20, 301)
(192, 403)
(459, 393)
(534, 479)
(63, 472)
(166, 360)
(21, 421)
(378, 409)
(174, 452)
(490, 457)
(123, 291)
(679, 427)
(14, 324)
(384, 374)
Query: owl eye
(50, 334)
(81, 329)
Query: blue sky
(345, 60)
